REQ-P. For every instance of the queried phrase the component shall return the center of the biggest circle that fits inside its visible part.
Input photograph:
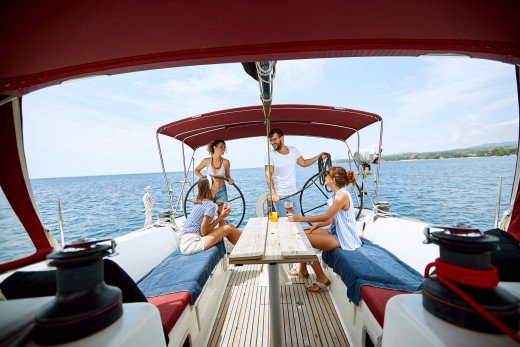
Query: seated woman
(200, 231)
(343, 234)
(216, 165)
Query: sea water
(446, 191)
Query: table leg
(275, 306)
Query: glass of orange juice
(273, 216)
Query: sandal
(297, 272)
(322, 287)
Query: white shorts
(191, 243)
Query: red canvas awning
(45, 42)
(236, 123)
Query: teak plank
(294, 244)
(295, 314)
(266, 242)
(252, 241)
(308, 319)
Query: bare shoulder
(342, 196)
(203, 162)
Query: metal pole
(185, 180)
(170, 198)
(275, 306)
(499, 194)
(351, 157)
(60, 224)
(376, 181)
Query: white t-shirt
(284, 176)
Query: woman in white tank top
(216, 165)
(342, 234)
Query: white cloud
(298, 76)
(447, 86)
(220, 79)
(107, 125)
(453, 103)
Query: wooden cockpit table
(273, 243)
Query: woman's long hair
(204, 190)
(212, 144)
(341, 176)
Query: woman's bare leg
(326, 242)
(214, 236)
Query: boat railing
(497, 207)
(179, 206)
(58, 224)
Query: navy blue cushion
(371, 265)
(182, 273)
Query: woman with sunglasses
(343, 232)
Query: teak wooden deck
(309, 319)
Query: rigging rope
(266, 73)
(148, 206)
(323, 167)
(446, 273)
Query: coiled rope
(449, 273)
(323, 167)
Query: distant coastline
(488, 150)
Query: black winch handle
(461, 231)
(89, 244)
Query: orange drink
(273, 216)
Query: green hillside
(491, 150)
(487, 150)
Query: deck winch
(463, 290)
(84, 304)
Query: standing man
(280, 173)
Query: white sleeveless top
(221, 171)
(346, 226)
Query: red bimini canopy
(46, 42)
(237, 123)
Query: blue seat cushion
(182, 273)
(371, 265)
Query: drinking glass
(288, 206)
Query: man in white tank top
(280, 173)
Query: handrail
(497, 209)
(60, 225)
(170, 198)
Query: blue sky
(106, 125)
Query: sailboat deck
(309, 319)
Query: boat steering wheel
(313, 191)
(238, 209)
